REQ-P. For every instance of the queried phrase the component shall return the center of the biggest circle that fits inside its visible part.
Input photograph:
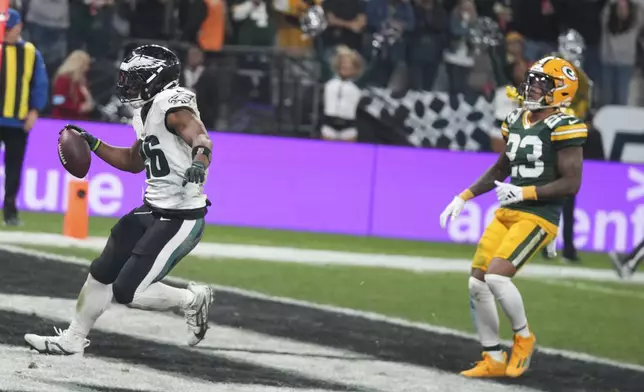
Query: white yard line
(349, 312)
(324, 257)
(593, 287)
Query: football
(74, 153)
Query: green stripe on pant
(527, 247)
(184, 249)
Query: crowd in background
(426, 39)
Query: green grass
(52, 223)
(562, 315)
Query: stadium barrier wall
(360, 189)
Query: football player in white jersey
(174, 149)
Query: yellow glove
(513, 94)
(568, 111)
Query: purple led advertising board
(334, 187)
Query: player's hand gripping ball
(74, 152)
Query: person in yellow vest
(213, 28)
(24, 88)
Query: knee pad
(123, 293)
(497, 283)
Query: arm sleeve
(505, 131)
(39, 85)
(569, 135)
(174, 100)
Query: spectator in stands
(392, 18)
(147, 19)
(47, 24)
(90, 26)
(193, 68)
(23, 96)
(584, 16)
(621, 22)
(459, 58)
(255, 24)
(72, 99)
(516, 63)
(428, 42)
(213, 28)
(341, 97)
(538, 23)
(289, 34)
(347, 20)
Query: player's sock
(159, 296)
(94, 298)
(511, 302)
(486, 317)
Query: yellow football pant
(514, 236)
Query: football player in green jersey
(543, 157)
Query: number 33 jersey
(165, 154)
(532, 150)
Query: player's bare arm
(186, 125)
(499, 171)
(190, 128)
(123, 158)
(569, 164)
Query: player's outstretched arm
(499, 171)
(123, 158)
(570, 161)
(189, 127)
(185, 124)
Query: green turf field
(591, 317)
(53, 223)
(595, 318)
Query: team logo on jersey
(181, 98)
(570, 74)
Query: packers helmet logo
(570, 74)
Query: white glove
(453, 209)
(508, 193)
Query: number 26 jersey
(165, 154)
(532, 151)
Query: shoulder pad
(513, 116)
(174, 98)
(561, 119)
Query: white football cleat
(65, 343)
(197, 313)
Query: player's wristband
(529, 192)
(96, 144)
(466, 195)
(201, 150)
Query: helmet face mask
(129, 87)
(537, 90)
(145, 72)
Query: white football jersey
(166, 155)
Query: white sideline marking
(324, 257)
(344, 311)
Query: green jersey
(532, 151)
